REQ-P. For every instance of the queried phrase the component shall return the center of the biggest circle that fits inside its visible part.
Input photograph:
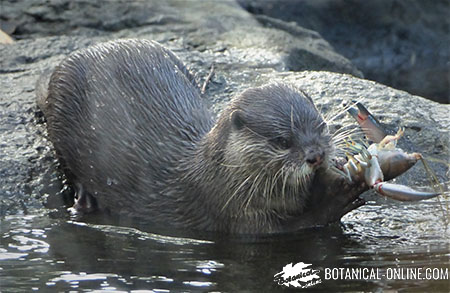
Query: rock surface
(244, 52)
(404, 44)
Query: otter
(134, 137)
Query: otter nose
(315, 158)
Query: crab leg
(401, 192)
(390, 141)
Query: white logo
(299, 275)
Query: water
(49, 250)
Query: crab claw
(370, 125)
(373, 173)
(401, 192)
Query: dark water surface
(48, 250)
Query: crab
(382, 160)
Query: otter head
(275, 141)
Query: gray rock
(404, 44)
(201, 34)
(201, 25)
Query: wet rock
(404, 44)
(201, 33)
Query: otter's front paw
(333, 196)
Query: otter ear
(236, 120)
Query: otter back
(121, 115)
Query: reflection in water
(50, 251)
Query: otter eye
(283, 142)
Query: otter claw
(401, 192)
(346, 173)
